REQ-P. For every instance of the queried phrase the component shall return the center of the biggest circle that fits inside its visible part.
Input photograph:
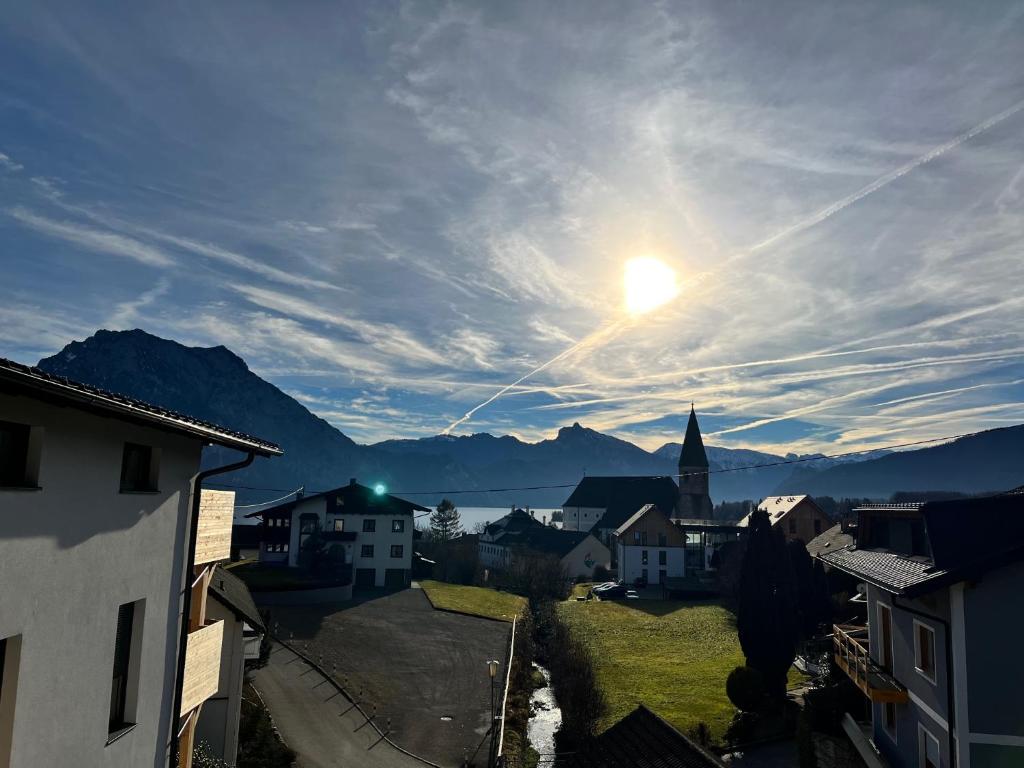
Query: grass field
(478, 601)
(672, 656)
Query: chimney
(300, 493)
(532, 513)
(351, 481)
(544, 519)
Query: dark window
(339, 524)
(137, 468)
(287, 522)
(308, 522)
(925, 660)
(13, 454)
(889, 718)
(284, 547)
(663, 558)
(643, 557)
(3, 661)
(369, 525)
(398, 526)
(636, 537)
(122, 654)
(662, 540)
(817, 527)
(366, 550)
(397, 550)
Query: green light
(379, 489)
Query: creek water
(546, 717)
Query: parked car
(618, 592)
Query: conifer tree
(445, 524)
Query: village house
(937, 658)
(798, 517)
(650, 548)
(374, 530)
(107, 548)
(229, 601)
(519, 534)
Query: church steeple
(694, 500)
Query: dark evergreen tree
(445, 523)
(803, 576)
(768, 617)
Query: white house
(231, 603)
(798, 517)
(651, 548)
(374, 529)
(104, 546)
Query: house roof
(231, 592)
(693, 453)
(777, 507)
(829, 541)
(32, 382)
(621, 497)
(351, 499)
(967, 537)
(514, 521)
(548, 540)
(642, 740)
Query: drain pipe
(950, 703)
(190, 558)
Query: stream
(546, 717)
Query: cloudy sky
(392, 210)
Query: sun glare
(648, 283)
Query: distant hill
(988, 461)
(215, 384)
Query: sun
(648, 284)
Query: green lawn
(672, 656)
(478, 601)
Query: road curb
(340, 689)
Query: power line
(265, 503)
(783, 462)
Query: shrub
(700, 734)
(601, 573)
(745, 689)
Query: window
(924, 650)
(663, 557)
(15, 441)
(122, 657)
(927, 748)
(397, 550)
(369, 525)
(308, 522)
(643, 557)
(889, 719)
(662, 540)
(339, 524)
(884, 637)
(366, 550)
(398, 526)
(138, 469)
(817, 526)
(284, 547)
(287, 522)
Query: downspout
(190, 558)
(950, 703)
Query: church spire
(693, 454)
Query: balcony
(850, 644)
(214, 540)
(202, 666)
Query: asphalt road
(318, 723)
(423, 670)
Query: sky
(394, 210)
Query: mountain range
(215, 384)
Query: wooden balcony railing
(202, 666)
(213, 543)
(850, 645)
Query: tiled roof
(351, 499)
(891, 571)
(546, 539)
(777, 507)
(230, 590)
(829, 541)
(621, 497)
(24, 379)
(642, 740)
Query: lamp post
(492, 671)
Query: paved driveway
(318, 723)
(424, 670)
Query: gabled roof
(231, 592)
(829, 541)
(891, 571)
(621, 497)
(514, 521)
(351, 499)
(642, 740)
(693, 453)
(19, 379)
(778, 507)
(546, 539)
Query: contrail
(825, 213)
(890, 177)
(593, 338)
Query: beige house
(798, 517)
(651, 548)
(106, 552)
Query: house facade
(935, 659)
(519, 534)
(374, 530)
(105, 555)
(651, 548)
(798, 517)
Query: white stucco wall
(219, 717)
(70, 555)
(591, 551)
(580, 518)
(631, 565)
